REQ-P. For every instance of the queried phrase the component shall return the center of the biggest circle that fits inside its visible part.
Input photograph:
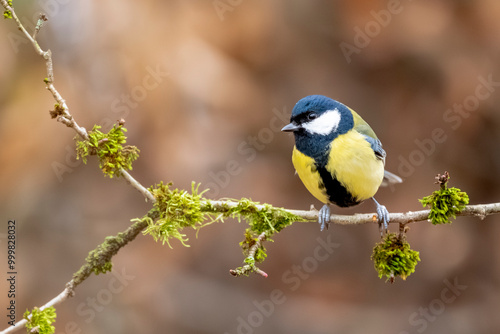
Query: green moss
(109, 147)
(176, 209)
(393, 257)
(263, 219)
(98, 260)
(267, 219)
(42, 320)
(99, 263)
(445, 203)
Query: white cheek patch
(324, 124)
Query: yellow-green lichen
(393, 257)
(109, 147)
(41, 320)
(175, 209)
(445, 203)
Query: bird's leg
(324, 217)
(383, 217)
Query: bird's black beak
(290, 127)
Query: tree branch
(479, 210)
(61, 112)
(137, 185)
(248, 268)
(104, 253)
(65, 294)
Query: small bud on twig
(442, 179)
(41, 20)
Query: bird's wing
(363, 128)
(376, 147)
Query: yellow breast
(353, 162)
(306, 169)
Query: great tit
(337, 156)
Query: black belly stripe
(314, 170)
(337, 193)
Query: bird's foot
(383, 217)
(324, 217)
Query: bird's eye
(311, 116)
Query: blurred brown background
(204, 83)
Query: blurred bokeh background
(205, 83)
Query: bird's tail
(390, 178)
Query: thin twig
(260, 239)
(41, 20)
(134, 183)
(258, 243)
(64, 115)
(249, 268)
(86, 270)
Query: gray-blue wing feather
(376, 147)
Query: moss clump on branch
(40, 321)
(445, 203)
(99, 260)
(268, 220)
(393, 257)
(255, 252)
(175, 209)
(262, 219)
(109, 147)
(247, 244)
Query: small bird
(337, 156)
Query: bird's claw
(383, 218)
(324, 217)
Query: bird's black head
(316, 121)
